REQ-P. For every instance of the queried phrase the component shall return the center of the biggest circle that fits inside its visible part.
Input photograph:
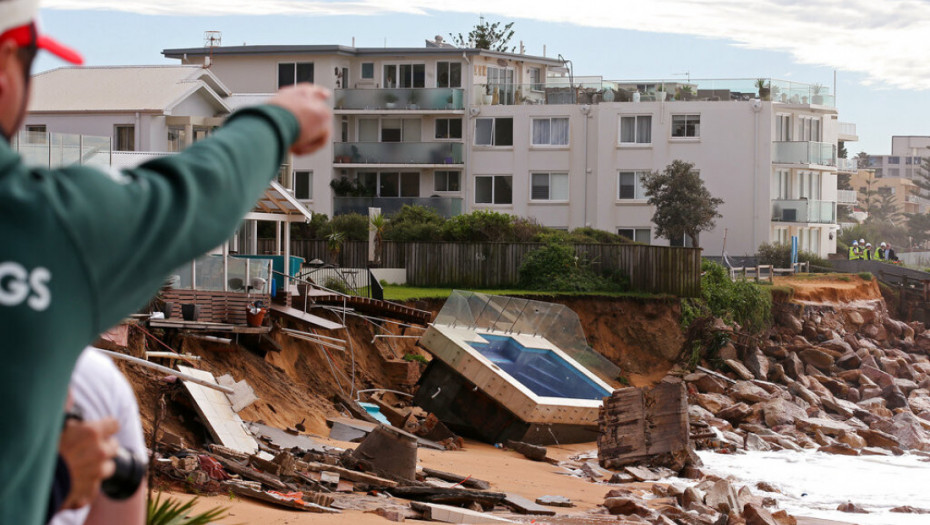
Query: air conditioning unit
(789, 215)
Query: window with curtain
(550, 131)
(630, 185)
(549, 186)
(494, 189)
(636, 129)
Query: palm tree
(334, 244)
(378, 223)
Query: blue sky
(878, 49)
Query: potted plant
(389, 100)
(660, 92)
(765, 88)
(684, 93)
(413, 99)
(816, 91)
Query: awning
(279, 205)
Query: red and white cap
(18, 23)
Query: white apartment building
(465, 129)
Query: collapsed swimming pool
(541, 370)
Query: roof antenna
(211, 39)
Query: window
(303, 185)
(201, 133)
(290, 73)
(446, 181)
(177, 138)
(449, 128)
(640, 235)
(549, 187)
(501, 81)
(494, 189)
(636, 130)
(388, 130)
(368, 70)
(448, 74)
(125, 138)
(550, 132)
(391, 183)
(631, 185)
(894, 172)
(494, 132)
(894, 160)
(686, 125)
(684, 241)
(405, 75)
(809, 185)
(781, 187)
(535, 77)
(782, 128)
(36, 134)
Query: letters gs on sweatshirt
(18, 284)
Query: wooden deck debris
(283, 440)
(250, 473)
(345, 429)
(555, 501)
(465, 481)
(533, 452)
(242, 395)
(451, 496)
(352, 475)
(315, 320)
(640, 424)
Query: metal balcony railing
(804, 211)
(847, 164)
(847, 197)
(397, 153)
(799, 152)
(400, 98)
(445, 206)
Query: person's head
(868, 245)
(19, 42)
(861, 241)
(855, 243)
(883, 245)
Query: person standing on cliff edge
(82, 248)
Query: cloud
(885, 40)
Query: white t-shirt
(100, 390)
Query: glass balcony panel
(847, 164)
(409, 98)
(804, 211)
(397, 153)
(445, 206)
(800, 152)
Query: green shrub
(555, 267)
(337, 285)
(866, 276)
(740, 301)
(414, 223)
(354, 226)
(478, 226)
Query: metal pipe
(166, 370)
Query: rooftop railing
(560, 91)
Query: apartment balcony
(410, 99)
(799, 152)
(847, 132)
(398, 153)
(54, 150)
(847, 197)
(804, 211)
(850, 165)
(445, 206)
(561, 91)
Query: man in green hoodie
(82, 248)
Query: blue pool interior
(543, 371)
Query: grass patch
(410, 293)
(866, 276)
(781, 294)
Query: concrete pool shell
(508, 368)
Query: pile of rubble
(850, 381)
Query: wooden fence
(652, 269)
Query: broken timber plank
(465, 481)
(345, 429)
(448, 514)
(454, 496)
(305, 317)
(350, 475)
(250, 473)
